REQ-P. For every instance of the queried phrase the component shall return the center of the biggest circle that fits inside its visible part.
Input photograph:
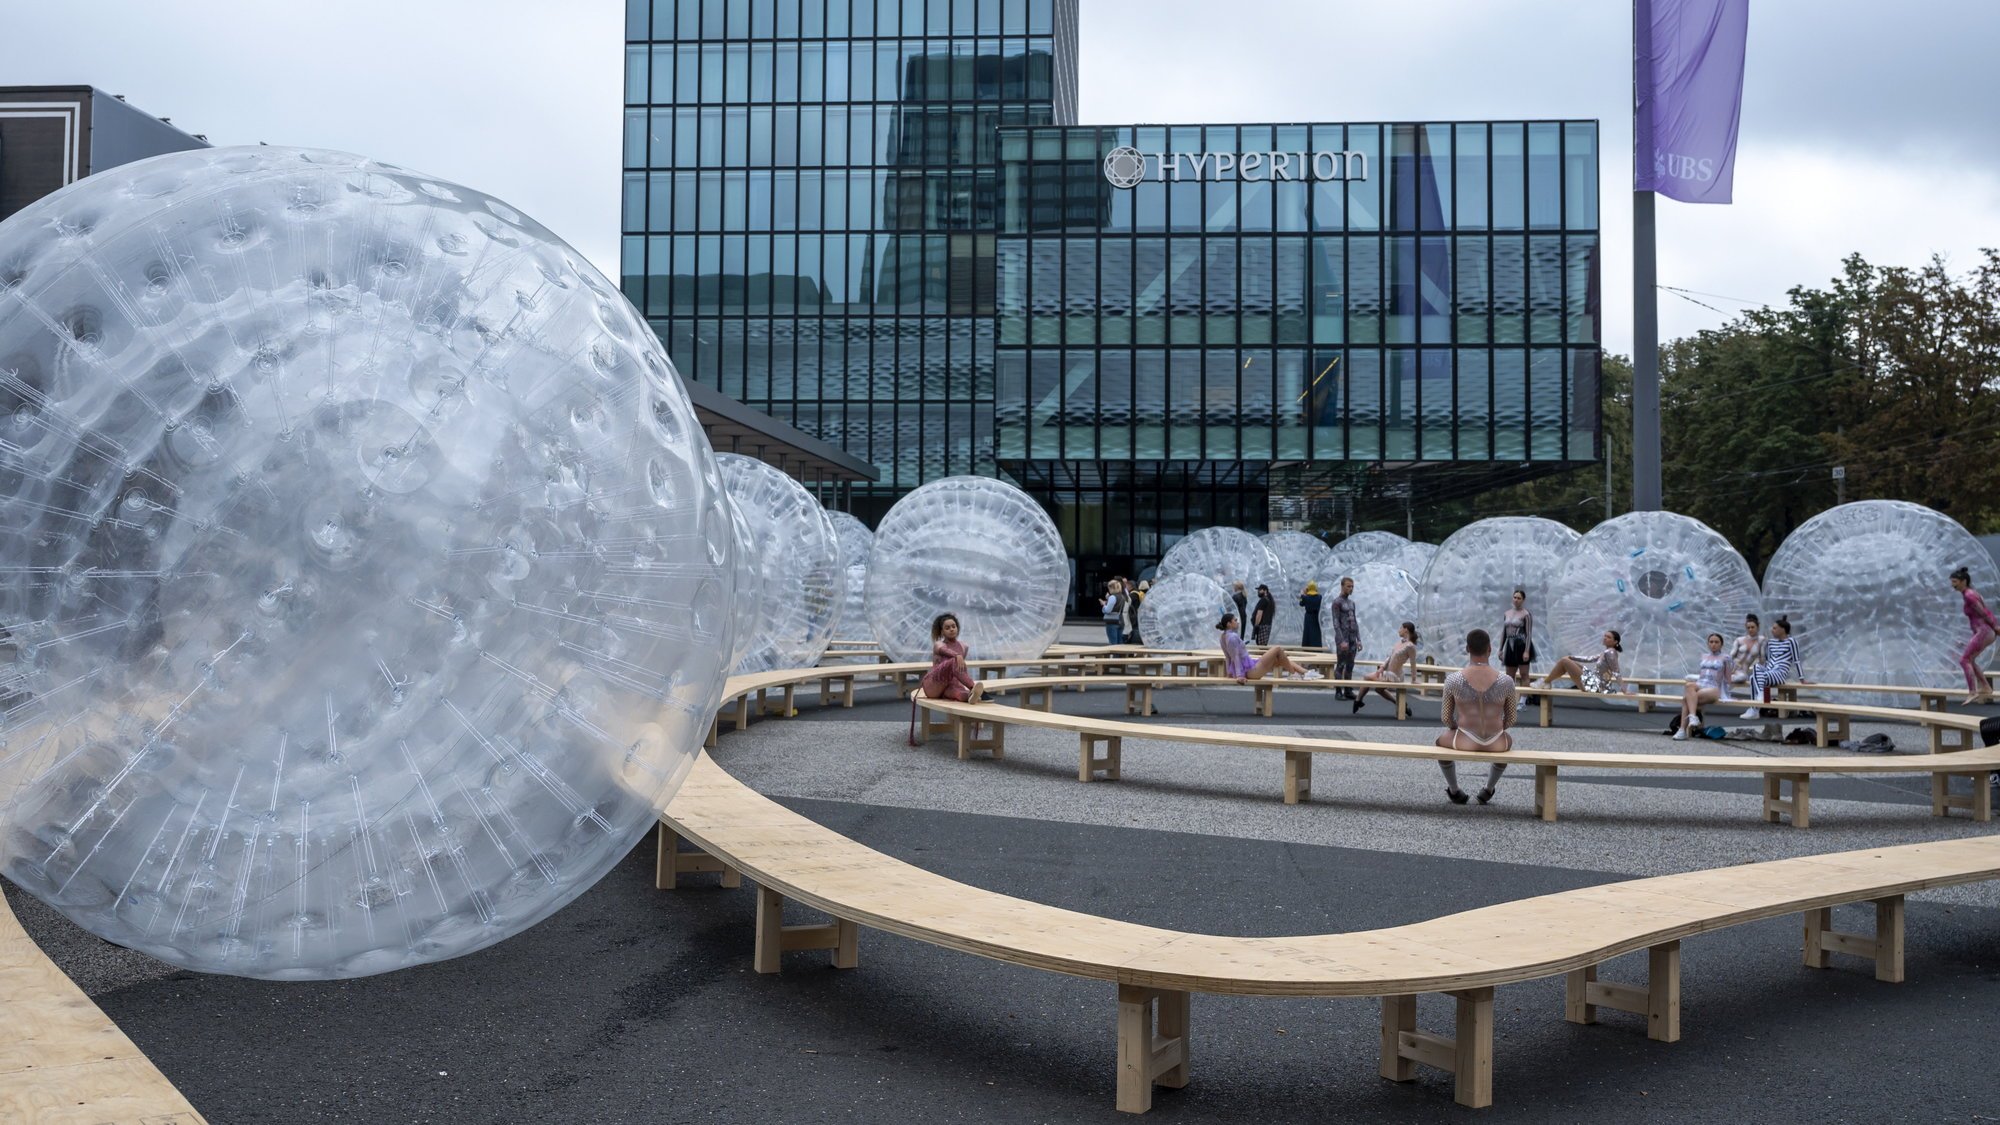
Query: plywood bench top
(1515, 941)
(62, 1061)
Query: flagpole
(1646, 495)
(1645, 288)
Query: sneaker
(1520, 705)
(1486, 794)
(1681, 735)
(1358, 701)
(1457, 796)
(1753, 713)
(1312, 674)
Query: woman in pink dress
(948, 677)
(1984, 627)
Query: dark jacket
(1311, 637)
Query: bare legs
(1692, 697)
(1567, 666)
(1274, 657)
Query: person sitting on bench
(1591, 673)
(948, 677)
(1236, 662)
(1402, 656)
(1479, 705)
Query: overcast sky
(1866, 127)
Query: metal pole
(1645, 358)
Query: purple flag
(1687, 77)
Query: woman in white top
(1592, 673)
(1395, 669)
(1708, 685)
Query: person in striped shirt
(1779, 666)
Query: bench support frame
(1298, 776)
(969, 739)
(1885, 948)
(1467, 1057)
(1545, 792)
(774, 938)
(1978, 802)
(1139, 699)
(1797, 806)
(670, 863)
(1089, 764)
(1659, 1001)
(845, 695)
(1152, 1044)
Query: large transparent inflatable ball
(1867, 588)
(1470, 582)
(796, 556)
(1225, 555)
(1363, 547)
(749, 604)
(1385, 596)
(975, 547)
(855, 543)
(1414, 557)
(368, 575)
(1180, 612)
(1664, 581)
(1299, 558)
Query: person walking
(1266, 613)
(1113, 609)
(1346, 636)
(1309, 601)
(1779, 666)
(1236, 662)
(1478, 712)
(1517, 640)
(1129, 618)
(1709, 684)
(1984, 628)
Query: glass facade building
(878, 221)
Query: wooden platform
(62, 1061)
(1155, 971)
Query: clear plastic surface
(1867, 587)
(1471, 580)
(796, 554)
(1181, 610)
(975, 547)
(1361, 547)
(855, 543)
(1385, 596)
(1299, 558)
(368, 577)
(1414, 557)
(1225, 555)
(1664, 581)
(749, 606)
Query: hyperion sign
(1127, 167)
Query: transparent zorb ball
(1299, 558)
(1385, 596)
(855, 543)
(1664, 581)
(1225, 555)
(974, 547)
(796, 555)
(369, 576)
(1180, 613)
(1470, 582)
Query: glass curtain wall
(811, 203)
(1443, 308)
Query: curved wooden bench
(1155, 970)
(1787, 780)
(62, 1060)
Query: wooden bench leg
(1978, 801)
(1885, 948)
(1402, 705)
(1548, 709)
(774, 939)
(1399, 1018)
(1152, 1044)
(1797, 806)
(1468, 1056)
(714, 727)
(1659, 1001)
(670, 863)
(1089, 764)
(1298, 776)
(1262, 700)
(741, 715)
(1949, 740)
(1545, 792)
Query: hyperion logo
(1124, 167)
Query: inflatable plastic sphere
(1664, 581)
(855, 543)
(1413, 557)
(975, 547)
(1180, 612)
(1225, 556)
(368, 574)
(1867, 587)
(796, 554)
(1362, 547)
(1471, 580)
(1385, 596)
(1299, 557)
(748, 607)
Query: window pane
(1470, 180)
(1510, 404)
(1580, 176)
(1545, 176)
(1545, 397)
(1474, 403)
(1510, 177)
(1580, 304)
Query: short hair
(1478, 643)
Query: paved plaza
(637, 1005)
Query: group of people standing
(1120, 607)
